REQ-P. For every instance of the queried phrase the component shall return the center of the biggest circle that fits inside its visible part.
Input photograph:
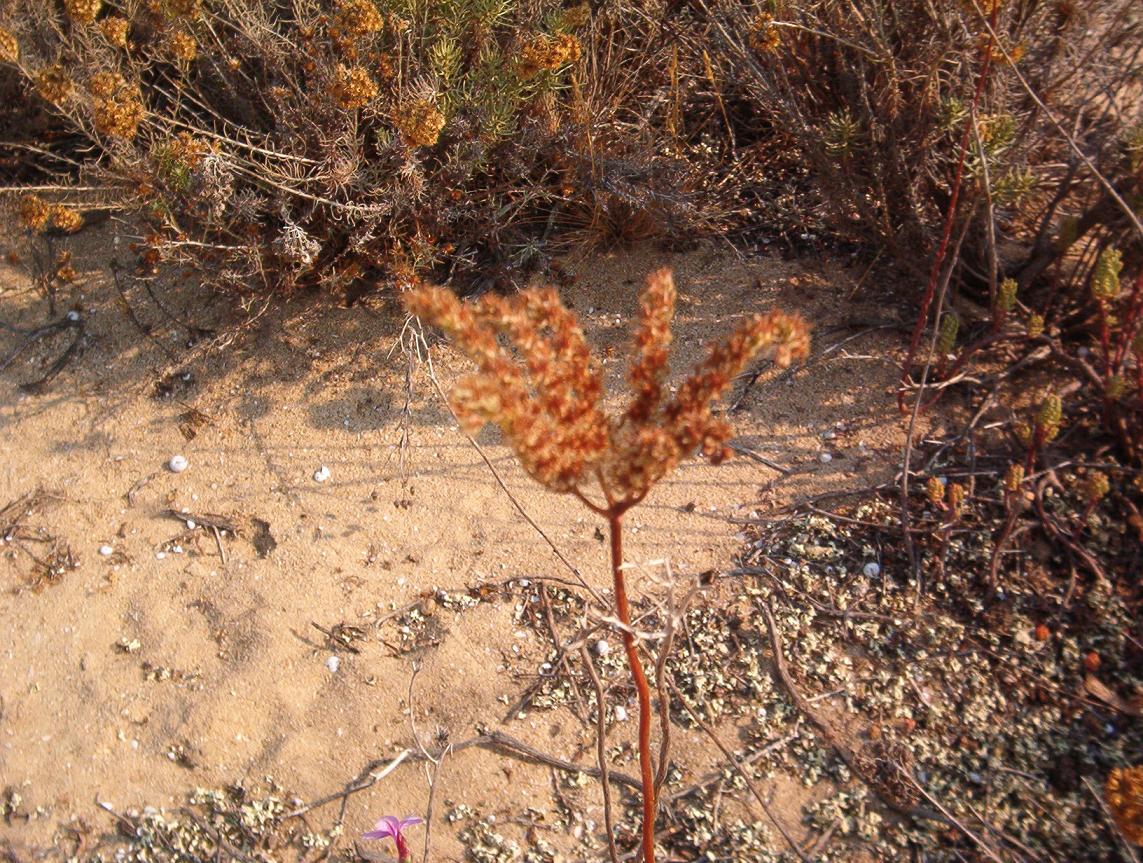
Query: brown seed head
(54, 84)
(547, 53)
(353, 87)
(419, 122)
(353, 20)
(83, 11)
(34, 212)
(184, 8)
(9, 47)
(182, 47)
(114, 29)
(64, 219)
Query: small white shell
(321, 474)
(602, 648)
(620, 713)
(106, 550)
(871, 569)
(333, 664)
(178, 463)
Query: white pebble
(620, 713)
(106, 550)
(191, 524)
(825, 458)
(178, 464)
(73, 315)
(602, 648)
(871, 569)
(321, 474)
(333, 664)
(159, 555)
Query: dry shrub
(345, 143)
(878, 98)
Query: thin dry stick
(1111, 821)
(741, 772)
(500, 482)
(952, 819)
(601, 751)
(905, 462)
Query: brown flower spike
(537, 381)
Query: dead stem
(623, 608)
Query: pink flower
(390, 826)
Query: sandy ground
(250, 690)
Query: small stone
(602, 648)
(106, 550)
(333, 664)
(871, 569)
(178, 464)
(620, 713)
(321, 474)
(191, 524)
(825, 458)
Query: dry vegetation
(980, 160)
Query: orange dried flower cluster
(34, 212)
(182, 46)
(187, 150)
(353, 20)
(548, 402)
(547, 53)
(54, 84)
(38, 215)
(114, 30)
(1124, 794)
(353, 87)
(764, 36)
(83, 11)
(420, 122)
(116, 106)
(9, 47)
(184, 8)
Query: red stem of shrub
(623, 609)
(950, 216)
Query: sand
(160, 667)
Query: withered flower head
(184, 8)
(54, 84)
(182, 46)
(420, 122)
(353, 87)
(34, 212)
(547, 53)
(1124, 794)
(537, 381)
(65, 219)
(114, 29)
(9, 47)
(354, 19)
(116, 105)
(83, 11)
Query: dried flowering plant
(536, 379)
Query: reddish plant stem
(950, 215)
(623, 609)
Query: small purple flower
(391, 826)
